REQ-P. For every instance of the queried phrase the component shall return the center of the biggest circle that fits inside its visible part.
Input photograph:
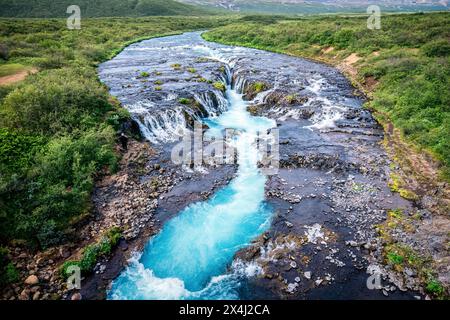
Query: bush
(93, 252)
(56, 188)
(437, 48)
(435, 287)
(4, 52)
(8, 272)
(57, 101)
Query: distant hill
(96, 8)
(320, 6)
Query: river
(169, 83)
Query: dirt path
(19, 76)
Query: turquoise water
(192, 257)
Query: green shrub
(57, 187)
(437, 48)
(17, 150)
(66, 265)
(395, 258)
(93, 252)
(435, 287)
(57, 101)
(8, 272)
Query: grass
(93, 252)
(411, 69)
(9, 69)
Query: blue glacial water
(192, 256)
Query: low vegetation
(93, 252)
(58, 127)
(219, 86)
(409, 71)
(97, 8)
(8, 272)
(401, 256)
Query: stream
(189, 258)
(308, 212)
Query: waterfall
(190, 257)
(164, 126)
(213, 102)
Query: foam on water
(191, 258)
(330, 111)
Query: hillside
(96, 8)
(318, 6)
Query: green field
(411, 69)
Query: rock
(292, 287)
(352, 243)
(293, 265)
(307, 275)
(25, 295)
(409, 272)
(297, 279)
(36, 295)
(76, 296)
(32, 280)
(289, 224)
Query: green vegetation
(411, 68)
(97, 8)
(144, 74)
(8, 272)
(58, 127)
(93, 252)
(219, 86)
(400, 255)
(397, 184)
(8, 69)
(158, 82)
(191, 70)
(258, 87)
(435, 287)
(176, 66)
(184, 100)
